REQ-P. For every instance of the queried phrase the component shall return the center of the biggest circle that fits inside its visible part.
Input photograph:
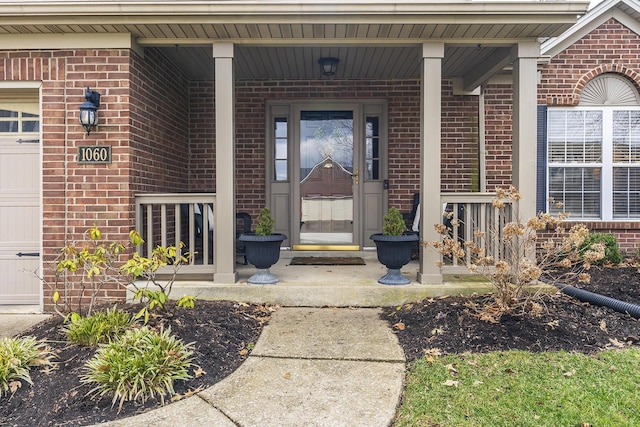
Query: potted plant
(263, 248)
(394, 246)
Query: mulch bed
(449, 325)
(223, 330)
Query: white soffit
(70, 41)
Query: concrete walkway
(310, 367)
(13, 324)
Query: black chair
(243, 226)
(409, 217)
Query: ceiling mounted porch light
(89, 110)
(328, 66)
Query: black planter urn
(394, 252)
(262, 252)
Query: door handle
(21, 254)
(357, 176)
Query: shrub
(17, 356)
(264, 226)
(612, 253)
(94, 262)
(394, 224)
(138, 267)
(91, 263)
(138, 365)
(521, 259)
(100, 327)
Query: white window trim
(606, 166)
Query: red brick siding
(202, 149)
(76, 196)
(611, 47)
(159, 125)
(627, 233)
(162, 131)
(498, 135)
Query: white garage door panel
(20, 285)
(18, 170)
(19, 220)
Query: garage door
(19, 201)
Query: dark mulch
(449, 325)
(221, 332)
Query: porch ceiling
(285, 38)
(356, 62)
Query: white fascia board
(70, 41)
(167, 8)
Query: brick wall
(609, 48)
(149, 140)
(159, 125)
(77, 196)
(498, 135)
(202, 149)
(161, 129)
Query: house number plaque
(95, 154)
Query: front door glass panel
(326, 177)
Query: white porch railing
(170, 218)
(474, 213)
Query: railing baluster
(177, 215)
(192, 231)
(163, 225)
(149, 236)
(205, 233)
(479, 215)
(171, 226)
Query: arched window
(609, 89)
(593, 152)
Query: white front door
(19, 202)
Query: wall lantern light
(329, 66)
(89, 110)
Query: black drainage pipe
(596, 299)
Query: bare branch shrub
(521, 258)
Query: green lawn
(518, 388)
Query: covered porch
(166, 219)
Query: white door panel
(19, 218)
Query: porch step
(335, 285)
(313, 295)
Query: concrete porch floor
(329, 285)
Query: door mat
(327, 260)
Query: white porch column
(225, 208)
(525, 91)
(430, 133)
